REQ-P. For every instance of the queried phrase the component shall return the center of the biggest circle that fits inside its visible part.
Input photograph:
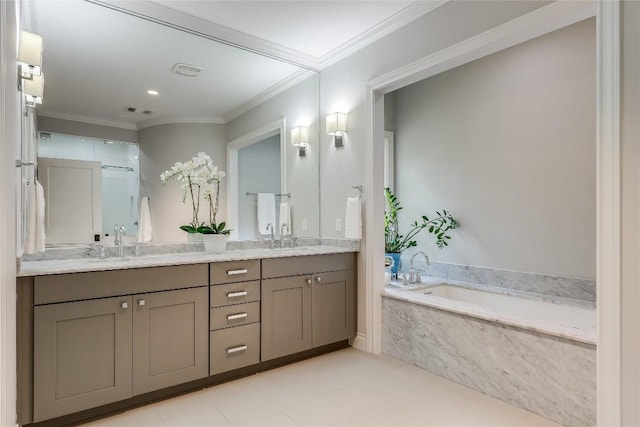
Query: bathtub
(531, 350)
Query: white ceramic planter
(215, 243)
(194, 237)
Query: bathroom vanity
(94, 342)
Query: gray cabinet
(333, 307)
(82, 355)
(169, 338)
(234, 319)
(93, 352)
(286, 316)
(307, 302)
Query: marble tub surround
(585, 334)
(548, 375)
(561, 286)
(77, 265)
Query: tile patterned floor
(344, 388)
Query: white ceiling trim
(221, 33)
(168, 120)
(389, 25)
(273, 91)
(90, 120)
(180, 20)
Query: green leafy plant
(214, 229)
(394, 242)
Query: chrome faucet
(414, 276)
(283, 228)
(118, 240)
(270, 229)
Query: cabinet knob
(141, 302)
(124, 305)
(318, 280)
(308, 281)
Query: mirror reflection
(163, 95)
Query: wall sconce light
(337, 126)
(29, 55)
(33, 90)
(300, 139)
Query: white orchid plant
(199, 175)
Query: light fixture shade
(34, 89)
(30, 51)
(299, 136)
(336, 123)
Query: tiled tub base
(550, 376)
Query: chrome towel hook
(359, 188)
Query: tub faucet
(414, 276)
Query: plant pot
(215, 243)
(194, 237)
(395, 267)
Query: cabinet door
(82, 355)
(334, 307)
(285, 316)
(170, 338)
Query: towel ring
(359, 188)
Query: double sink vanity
(99, 336)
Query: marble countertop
(409, 294)
(78, 265)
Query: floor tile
(347, 388)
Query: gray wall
(162, 146)
(258, 172)
(70, 127)
(507, 143)
(343, 89)
(299, 106)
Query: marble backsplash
(561, 286)
(93, 250)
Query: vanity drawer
(235, 293)
(234, 348)
(234, 315)
(309, 264)
(234, 271)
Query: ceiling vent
(186, 70)
(131, 109)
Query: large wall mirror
(131, 96)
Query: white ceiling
(98, 61)
(315, 28)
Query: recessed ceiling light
(152, 92)
(109, 142)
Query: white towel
(353, 219)
(266, 212)
(34, 226)
(285, 218)
(144, 222)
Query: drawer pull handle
(237, 316)
(236, 349)
(318, 279)
(124, 305)
(308, 281)
(234, 272)
(237, 294)
(141, 302)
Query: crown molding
(177, 19)
(405, 16)
(273, 91)
(90, 120)
(173, 120)
(182, 21)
